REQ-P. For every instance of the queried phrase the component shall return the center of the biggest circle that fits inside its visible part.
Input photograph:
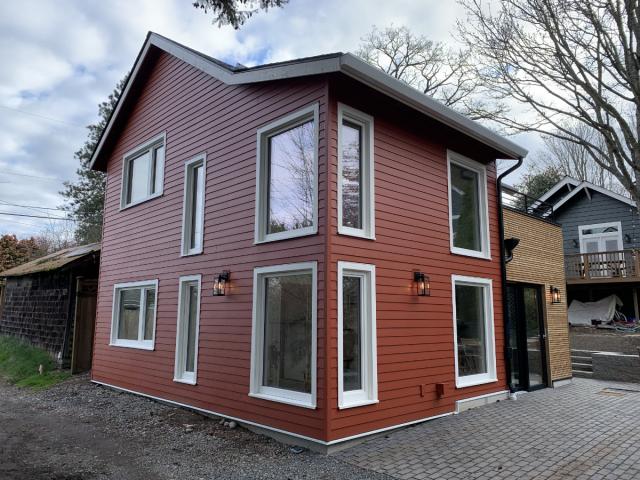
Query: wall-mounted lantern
(555, 295)
(220, 283)
(576, 244)
(423, 286)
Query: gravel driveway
(81, 431)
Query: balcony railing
(519, 201)
(614, 266)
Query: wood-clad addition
(539, 259)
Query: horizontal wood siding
(539, 259)
(414, 334)
(200, 114)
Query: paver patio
(587, 430)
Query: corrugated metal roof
(53, 261)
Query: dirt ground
(81, 431)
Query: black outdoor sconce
(220, 284)
(555, 295)
(510, 245)
(423, 285)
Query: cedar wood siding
(414, 334)
(200, 114)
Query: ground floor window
(134, 314)
(283, 359)
(357, 369)
(187, 329)
(473, 331)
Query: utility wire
(38, 216)
(4, 202)
(44, 117)
(40, 177)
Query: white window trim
(490, 344)
(256, 389)
(160, 139)
(485, 251)
(368, 395)
(181, 338)
(588, 236)
(187, 207)
(282, 124)
(139, 344)
(368, 195)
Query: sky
(61, 59)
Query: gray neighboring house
(601, 232)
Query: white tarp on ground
(581, 313)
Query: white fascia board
(584, 186)
(561, 184)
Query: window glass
(470, 330)
(158, 166)
(291, 184)
(352, 334)
(150, 313)
(287, 332)
(138, 178)
(465, 208)
(197, 187)
(351, 175)
(129, 314)
(192, 314)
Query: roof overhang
(345, 63)
(585, 187)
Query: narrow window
(287, 180)
(134, 314)
(468, 207)
(355, 171)
(143, 172)
(283, 360)
(187, 330)
(357, 369)
(193, 210)
(473, 322)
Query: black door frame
(521, 337)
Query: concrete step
(579, 359)
(583, 367)
(582, 374)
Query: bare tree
(568, 63)
(55, 236)
(430, 67)
(235, 12)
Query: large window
(355, 173)
(187, 330)
(193, 209)
(468, 214)
(283, 359)
(357, 369)
(473, 331)
(134, 314)
(143, 172)
(287, 177)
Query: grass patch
(19, 363)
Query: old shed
(51, 303)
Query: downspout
(503, 272)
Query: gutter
(503, 272)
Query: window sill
(138, 202)
(472, 382)
(281, 399)
(362, 403)
(274, 237)
(354, 232)
(185, 381)
(136, 345)
(470, 253)
(192, 253)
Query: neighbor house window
(357, 364)
(187, 329)
(468, 214)
(287, 177)
(283, 357)
(143, 172)
(193, 208)
(473, 331)
(134, 314)
(355, 173)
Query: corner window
(134, 314)
(473, 331)
(193, 207)
(143, 172)
(187, 329)
(468, 213)
(357, 362)
(355, 173)
(287, 177)
(283, 355)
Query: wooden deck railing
(617, 265)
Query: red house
(288, 245)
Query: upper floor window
(134, 314)
(468, 213)
(355, 173)
(193, 208)
(287, 177)
(143, 172)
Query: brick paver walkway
(586, 430)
